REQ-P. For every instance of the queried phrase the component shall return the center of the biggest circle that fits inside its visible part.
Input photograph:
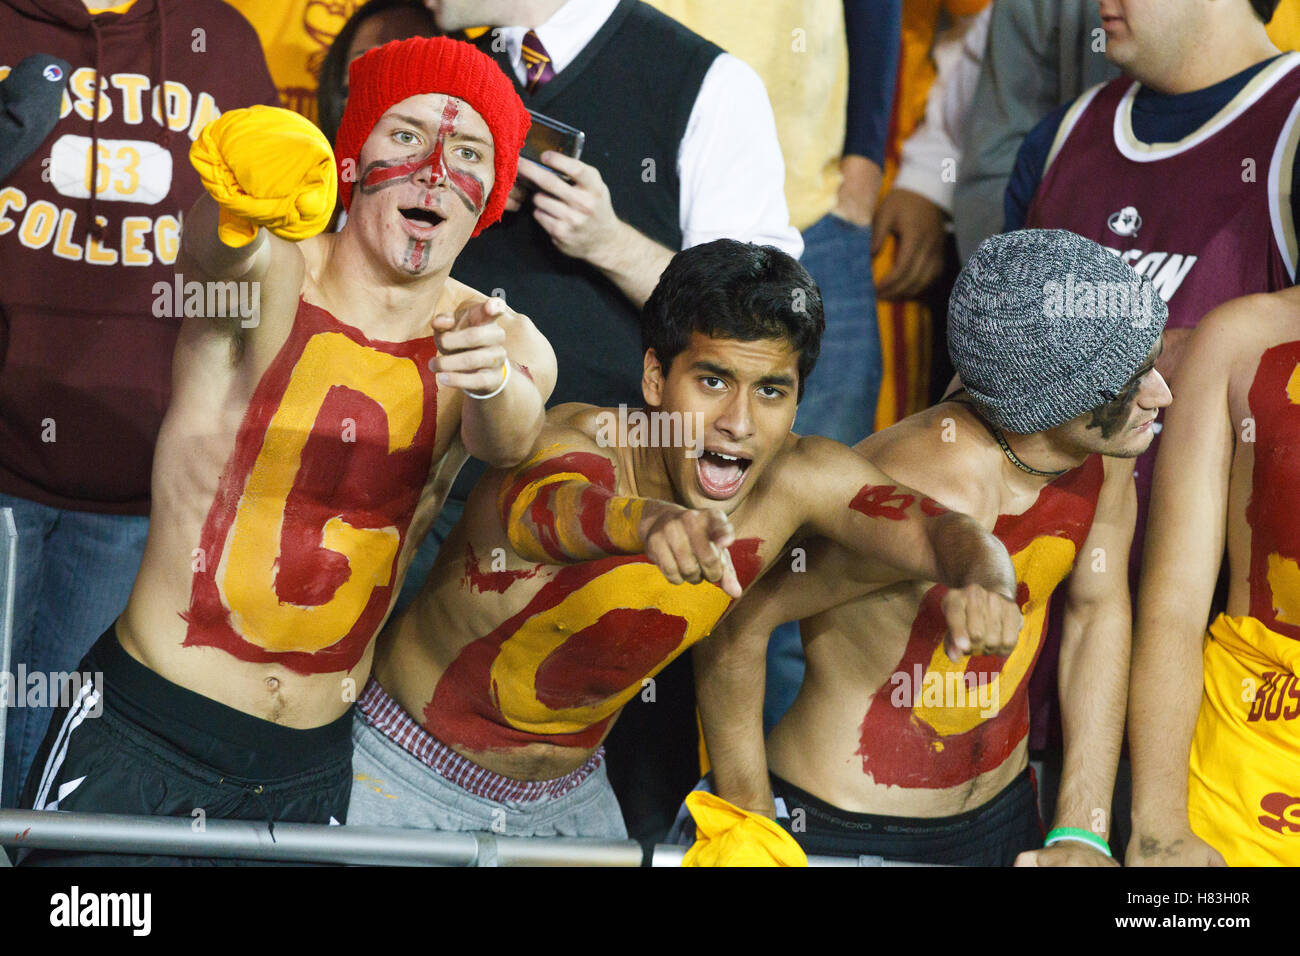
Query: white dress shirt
(729, 162)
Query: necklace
(1011, 456)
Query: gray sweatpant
(390, 787)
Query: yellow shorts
(1243, 786)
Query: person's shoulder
(944, 451)
(1233, 336)
(578, 416)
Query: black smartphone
(547, 133)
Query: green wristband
(1077, 835)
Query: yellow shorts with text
(1243, 786)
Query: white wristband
(505, 377)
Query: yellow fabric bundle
(270, 167)
(729, 836)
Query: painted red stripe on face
(467, 186)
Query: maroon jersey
(87, 330)
(1207, 218)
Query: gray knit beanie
(1044, 325)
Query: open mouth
(423, 221)
(721, 475)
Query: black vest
(631, 91)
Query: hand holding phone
(550, 134)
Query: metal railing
(300, 842)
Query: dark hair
(332, 91)
(733, 290)
(1264, 9)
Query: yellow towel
(729, 836)
(270, 167)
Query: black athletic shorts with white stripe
(132, 742)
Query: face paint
(1115, 414)
(468, 188)
(912, 740)
(495, 581)
(301, 542)
(1274, 520)
(415, 259)
(559, 670)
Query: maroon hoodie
(85, 342)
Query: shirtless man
(574, 578)
(1212, 716)
(893, 748)
(305, 452)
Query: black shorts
(990, 835)
(133, 742)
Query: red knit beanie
(389, 74)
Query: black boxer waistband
(1012, 796)
(225, 739)
(990, 834)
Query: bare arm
(1184, 544)
(1094, 671)
(853, 503)
(731, 666)
(203, 252)
(562, 506)
(501, 430)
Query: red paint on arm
(882, 501)
(931, 508)
(541, 512)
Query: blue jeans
(840, 398)
(75, 572)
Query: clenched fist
(266, 167)
(980, 621)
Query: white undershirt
(729, 162)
